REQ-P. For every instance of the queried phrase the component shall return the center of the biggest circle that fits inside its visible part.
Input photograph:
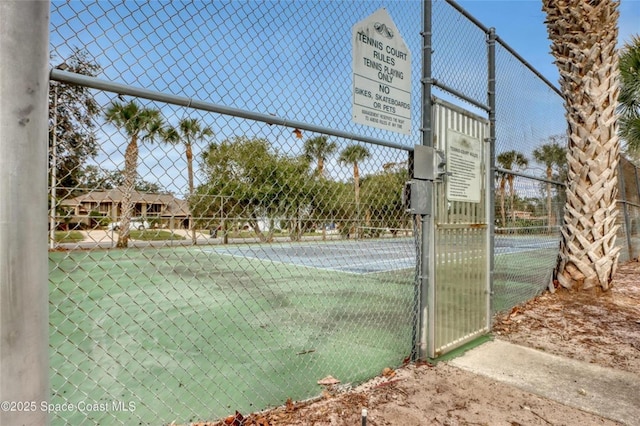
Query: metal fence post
(425, 263)
(634, 224)
(491, 101)
(625, 209)
(54, 156)
(24, 351)
(635, 173)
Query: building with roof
(92, 208)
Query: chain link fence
(528, 155)
(529, 161)
(629, 208)
(205, 262)
(222, 235)
(530, 169)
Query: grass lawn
(69, 236)
(154, 235)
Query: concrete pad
(609, 393)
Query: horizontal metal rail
(524, 175)
(629, 203)
(505, 45)
(521, 228)
(467, 15)
(122, 89)
(459, 94)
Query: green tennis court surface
(521, 272)
(190, 333)
(357, 257)
(194, 333)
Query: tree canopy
(72, 125)
(249, 180)
(629, 98)
(95, 178)
(318, 149)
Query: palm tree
(319, 149)
(551, 155)
(509, 160)
(583, 38)
(139, 124)
(354, 154)
(501, 182)
(629, 100)
(189, 132)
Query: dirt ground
(602, 329)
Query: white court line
(398, 263)
(322, 268)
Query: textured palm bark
(128, 186)
(584, 35)
(189, 156)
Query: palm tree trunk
(130, 171)
(549, 212)
(255, 224)
(584, 36)
(225, 232)
(356, 182)
(295, 232)
(512, 194)
(503, 185)
(189, 155)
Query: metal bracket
(418, 196)
(429, 163)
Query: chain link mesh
(459, 53)
(528, 189)
(530, 139)
(530, 156)
(203, 263)
(629, 211)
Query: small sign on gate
(381, 74)
(464, 162)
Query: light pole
(24, 286)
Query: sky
(520, 23)
(293, 59)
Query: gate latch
(418, 196)
(429, 166)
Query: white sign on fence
(381, 74)
(464, 161)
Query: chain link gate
(451, 178)
(460, 298)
